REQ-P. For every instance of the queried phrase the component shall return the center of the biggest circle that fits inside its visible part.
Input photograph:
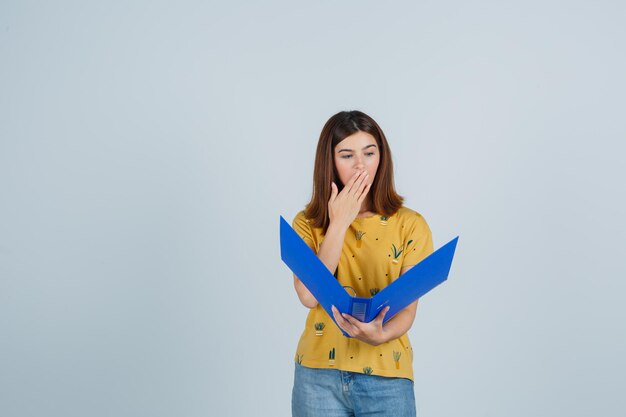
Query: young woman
(358, 227)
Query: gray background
(148, 148)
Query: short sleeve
(302, 227)
(418, 241)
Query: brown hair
(343, 124)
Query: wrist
(336, 227)
(383, 338)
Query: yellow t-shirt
(375, 250)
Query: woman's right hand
(344, 206)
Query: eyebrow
(350, 150)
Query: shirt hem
(389, 373)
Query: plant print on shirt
(331, 357)
(364, 271)
(359, 238)
(396, 358)
(398, 251)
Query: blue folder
(420, 279)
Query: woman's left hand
(372, 333)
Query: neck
(366, 206)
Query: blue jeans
(335, 393)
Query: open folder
(420, 279)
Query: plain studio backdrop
(148, 148)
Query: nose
(358, 163)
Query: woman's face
(356, 153)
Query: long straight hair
(343, 124)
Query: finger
(339, 317)
(349, 328)
(364, 193)
(354, 322)
(359, 183)
(348, 332)
(350, 183)
(381, 315)
(343, 324)
(333, 191)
